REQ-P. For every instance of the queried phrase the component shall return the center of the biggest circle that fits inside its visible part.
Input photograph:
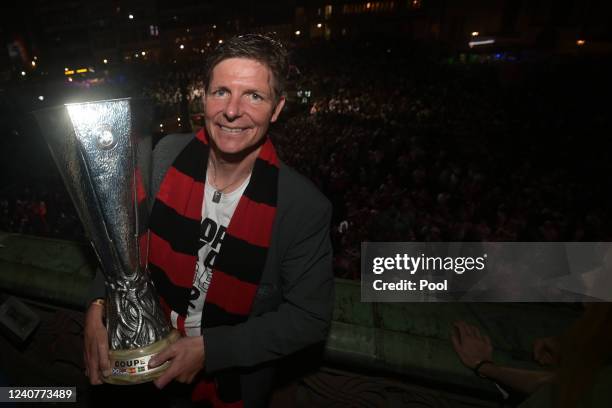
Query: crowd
(410, 150)
(451, 154)
(40, 212)
(173, 91)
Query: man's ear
(278, 109)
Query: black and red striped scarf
(174, 243)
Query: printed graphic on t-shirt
(211, 237)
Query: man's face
(239, 104)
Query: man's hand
(547, 350)
(471, 346)
(186, 358)
(96, 359)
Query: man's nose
(233, 108)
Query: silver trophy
(103, 153)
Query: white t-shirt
(215, 219)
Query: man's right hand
(97, 363)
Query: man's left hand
(186, 358)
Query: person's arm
(476, 352)
(526, 381)
(97, 288)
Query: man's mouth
(232, 129)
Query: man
(239, 243)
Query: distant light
(22, 73)
(214, 26)
(580, 43)
(136, 55)
(131, 16)
(81, 70)
(182, 47)
(33, 63)
(65, 69)
(319, 25)
(179, 119)
(41, 98)
(143, 53)
(475, 33)
(368, 5)
(220, 41)
(69, 79)
(161, 125)
(298, 32)
(35, 58)
(105, 61)
(481, 42)
(69, 72)
(202, 50)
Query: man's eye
(220, 92)
(255, 97)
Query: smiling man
(239, 243)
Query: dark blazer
(293, 305)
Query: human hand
(95, 341)
(547, 351)
(186, 357)
(471, 346)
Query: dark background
(413, 134)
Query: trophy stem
(132, 366)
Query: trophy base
(132, 366)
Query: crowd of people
(411, 150)
(450, 154)
(169, 89)
(40, 212)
